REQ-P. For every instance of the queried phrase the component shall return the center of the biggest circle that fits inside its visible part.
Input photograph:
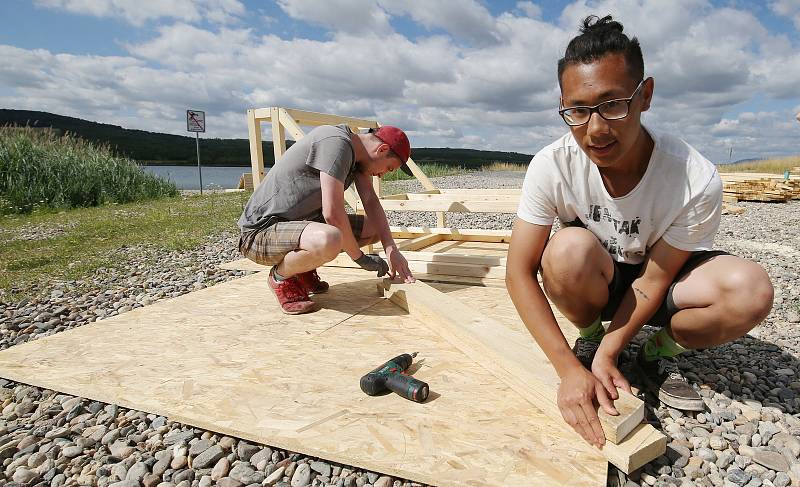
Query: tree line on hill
(156, 148)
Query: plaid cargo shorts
(268, 245)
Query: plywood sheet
(235, 364)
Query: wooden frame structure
(288, 120)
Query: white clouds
(463, 19)
(350, 16)
(530, 9)
(478, 80)
(137, 12)
(787, 8)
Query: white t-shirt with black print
(679, 198)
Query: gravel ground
(748, 436)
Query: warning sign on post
(195, 121)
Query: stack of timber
(760, 187)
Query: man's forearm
(637, 306)
(378, 216)
(536, 314)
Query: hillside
(150, 147)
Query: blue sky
(455, 73)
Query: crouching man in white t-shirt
(639, 212)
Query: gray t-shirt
(291, 190)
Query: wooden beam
(287, 121)
(456, 234)
(418, 243)
(417, 172)
(460, 197)
(459, 206)
(256, 150)
(304, 117)
(278, 135)
(481, 191)
(525, 368)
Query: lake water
(186, 177)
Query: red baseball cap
(397, 141)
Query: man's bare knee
(324, 241)
(748, 292)
(569, 258)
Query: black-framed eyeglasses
(609, 109)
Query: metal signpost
(196, 122)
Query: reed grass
(40, 169)
(773, 166)
(505, 167)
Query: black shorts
(625, 274)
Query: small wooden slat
(525, 368)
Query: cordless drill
(391, 376)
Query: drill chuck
(389, 376)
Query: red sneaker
(291, 295)
(311, 282)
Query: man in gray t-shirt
(295, 220)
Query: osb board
(496, 302)
(236, 365)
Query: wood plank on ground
(523, 366)
(237, 365)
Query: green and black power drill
(390, 376)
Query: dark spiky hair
(599, 37)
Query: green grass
(431, 170)
(78, 242)
(39, 169)
(773, 166)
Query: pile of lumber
(246, 181)
(760, 187)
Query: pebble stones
(301, 476)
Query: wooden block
(525, 368)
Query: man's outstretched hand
(373, 262)
(578, 393)
(399, 266)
